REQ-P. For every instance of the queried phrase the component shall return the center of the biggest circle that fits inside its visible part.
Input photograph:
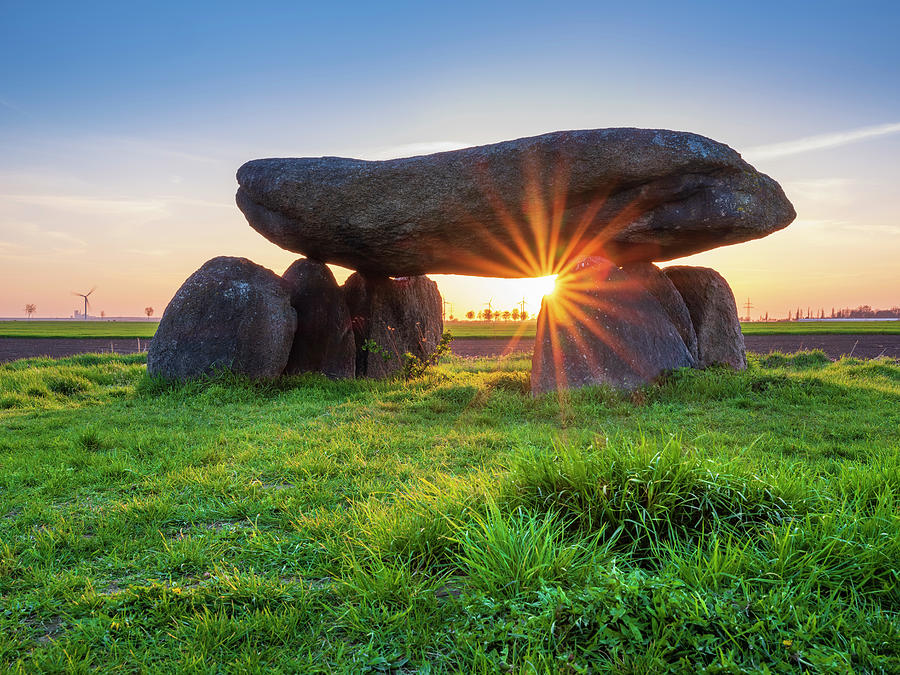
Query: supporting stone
(231, 314)
(391, 317)
(714, 314)
(601, 327)
(324, 340)
(661, 288)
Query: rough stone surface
(714, 314)
(324, 340)
(397, 315)
(521, 208)
(661, 288)
(231, 314)
(601, 328)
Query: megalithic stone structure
(596, 206)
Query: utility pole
(444, 310)
(522, 304)
(748, 307)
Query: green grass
(714, 522)
(491, 329)
(526, 329)
(460, 329)
(821, 328)
(78, 329)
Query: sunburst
(543, 238)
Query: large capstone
(391, 317)
(600, 327)
(522, 208)
(231, 314)
(324, 340)
(714, 314)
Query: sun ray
(547, 233)
(574, 313)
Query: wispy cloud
(35, 242)
(113, 150)
(9, 246)
(842, 229)
(6, 104)
(129, 211)
(205, 203)
(883, 229)
(818, 224)
(65, 239)
(413, 149)
(819, 142)
(89, 205)
(134, 145)
(153, 252)
(827, 191)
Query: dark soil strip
(835, 346)
(23, 348)
(470, 347)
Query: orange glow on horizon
(839, 267)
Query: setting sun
(537, 287)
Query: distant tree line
(488, 314)
(861, 312)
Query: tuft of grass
(91, 440)
(506, 554)
(646, 492)
(67, 385)
(815, 358)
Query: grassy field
(491, 329)
(461, 329)
(821, 328)
(78, 329)
(501, 329)
(715, 522)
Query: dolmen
(597, 207)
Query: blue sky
(121, 126)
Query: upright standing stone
(391, 317)
(714, 314)
(324, 340)
(600, 327)
(231, 314)
(661, 288)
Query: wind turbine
(490, 306)
(86, 303)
